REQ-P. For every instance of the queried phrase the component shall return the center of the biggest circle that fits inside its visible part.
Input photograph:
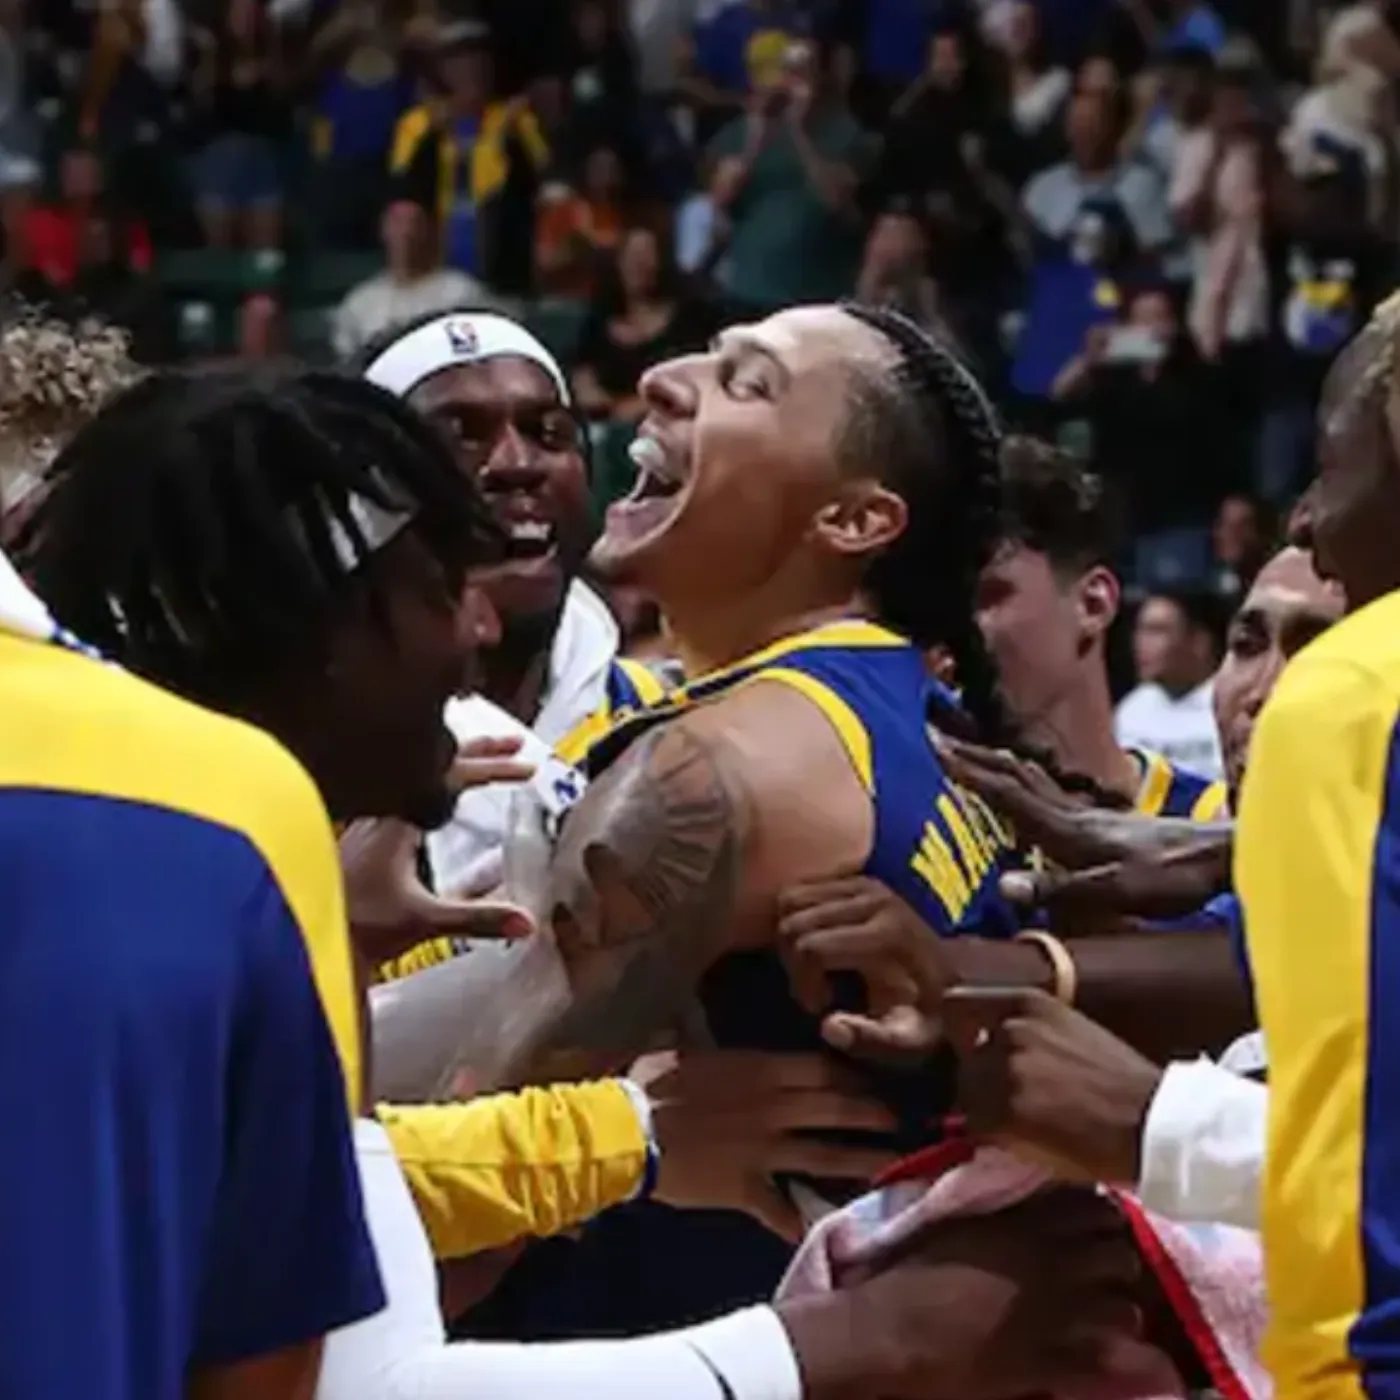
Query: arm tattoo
(643, 889)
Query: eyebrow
(746, 344)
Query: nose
(514, 463)
(670, 387)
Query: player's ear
(865, 518)
(1099, 597)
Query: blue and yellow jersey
(1169, 791)
(179, 1041)
(938, 847)
(1317, 869)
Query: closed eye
(743, 381)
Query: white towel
(466, 854)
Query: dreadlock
(201, 527)
(934, 432)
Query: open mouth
(529, 539)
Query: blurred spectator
(1036, 92)
(1156, 432)
(130, 51)
(1219, 194)
(242, 110)
(1346, 121)
(895, 270)
(360, 63)
(577, 227)
(736, 49)
(642, 315)
(474, 161)
(1176, 649)
(1242, 539)
(601, 80)
(1183, 23)
(414, 282)
(890, 39)
(55, 234)
(933, 164)
(20, 171)
(1093, 217)
(1329, 269)
(1360, 36)
(261, 327)
(785, 176)
(108, 286)
(1188, 90)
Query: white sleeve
(1203, 1146)
(403, 1354)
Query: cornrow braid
(201, 526)
(938, 436)
(936, 433)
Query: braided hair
(934, 432)
(202, 527)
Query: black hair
(929, 427)
(1191, 58)
(1200, 610)
(610, 299)
(197, 528)
(1053, 504)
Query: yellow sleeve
(1317, 868)
(495, 1169)
(408, 132)
(532, 138)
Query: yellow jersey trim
(854, 736)
(649, 687)
(88, 727)
(1212, 805)
(1155, 785)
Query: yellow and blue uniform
(1317, 869)
(936, 846)
(1169, 791)
(179, 1041)
(644, 1266)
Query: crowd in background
(1151, 222)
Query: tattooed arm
(645, 891)
(673, 858)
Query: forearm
(1203, 1146)
(1167, 994)
(491, 1170)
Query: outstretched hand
(389, 907)
(858, 925)
(728, 1121)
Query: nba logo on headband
(462, 338)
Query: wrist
(986, 962)
(832, 1353)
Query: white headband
(459, 338)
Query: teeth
(530, 531)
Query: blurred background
(1151, 222)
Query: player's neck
(1077, 731)
(708, 641)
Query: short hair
(930, 430)
(205, 524)
(1201, 610)
(54, 376)
(1053, 504)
